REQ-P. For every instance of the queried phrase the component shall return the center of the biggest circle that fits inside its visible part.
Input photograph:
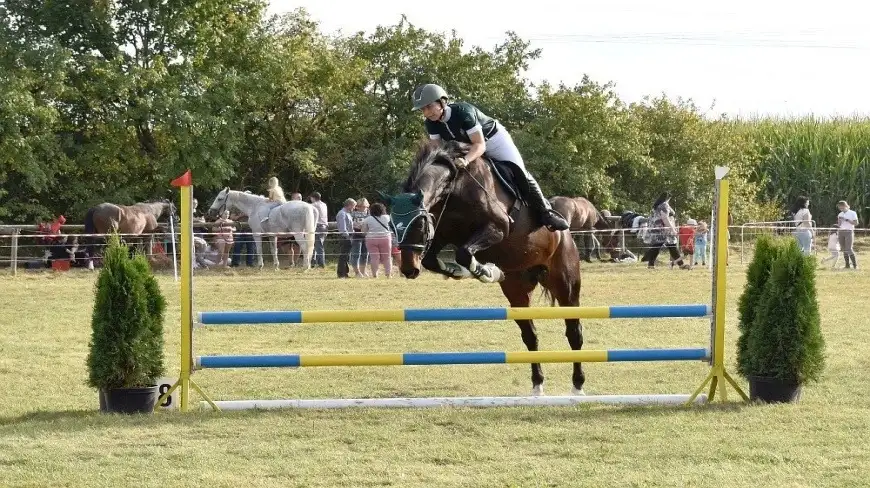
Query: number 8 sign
(163, 385)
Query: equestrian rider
(463, 122)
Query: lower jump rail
(449, 358)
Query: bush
(757, 276)
(785, 339)
(126, 347)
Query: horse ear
(386, 198)
(417, 199)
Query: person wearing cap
(463, 122)
(847, 219)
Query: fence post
(14, 253)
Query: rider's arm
(472, 127)
(478, 146)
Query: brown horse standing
(583, 217)
(106, 218)
(444, 205)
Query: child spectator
(834, 247)
(224, 238)
(701, 234)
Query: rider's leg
(501, 147)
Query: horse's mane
(434, 152)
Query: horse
(441, 204)
(582, 216)
(136, 219)
(296, 217)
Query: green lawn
(52, 435)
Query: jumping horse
(126, 220)
(582, 216)
(442, 205)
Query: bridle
(429, 222)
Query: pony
(582, 216)
(137, 219)
(264, 216)
(441, 204)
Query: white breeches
(501, 147)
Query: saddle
(511, 179)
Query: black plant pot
(131, 400)
(773, 390)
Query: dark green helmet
(426, 94)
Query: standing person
(319, 257)
(344, 220)
(701, 234)
(834, 248)
(359, 255)
(378, 239)
(462, 121)
(847, 219)
(803, 224)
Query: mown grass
(52, 435)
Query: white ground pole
(434, 402)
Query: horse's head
(412, 224)
(429, 183)
(220, 203)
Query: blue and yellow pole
(718, 375)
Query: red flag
(184, 180)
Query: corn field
(825, 160)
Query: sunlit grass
(52, 435)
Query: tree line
(109, 100)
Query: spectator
(687, 241)
(358, 253)
(834, 248)
(344, 221)
(296, 196)
(223, 241)
(847, 219)
(803, 224)
(244, 242)
(701, 234)
(376, 228)
(319, 257)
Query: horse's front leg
(432, 263)
(274, 242)
(258, 243)
(480, 240)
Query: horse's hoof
(538, 390)
(576, 392)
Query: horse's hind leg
(563, 283)
(518, 291)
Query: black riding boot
(548, 217)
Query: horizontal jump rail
(435, 402)
(449, 358)
(451, 314)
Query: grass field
(52, 435)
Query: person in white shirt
(847, 219)
(834, 248)
(803, 223)
(319, 258)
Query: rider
(462, 121)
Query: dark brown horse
(137, 219)
(583, 217)
(444, 205)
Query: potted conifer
(126, 347)
(781, 347)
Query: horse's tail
(310, 228)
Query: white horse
(296, 217)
